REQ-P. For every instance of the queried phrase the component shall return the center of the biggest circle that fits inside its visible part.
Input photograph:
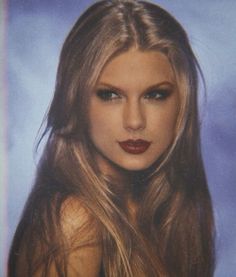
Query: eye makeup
(158, 94)
(107, 94)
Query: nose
(134, 116)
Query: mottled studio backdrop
(36, 30)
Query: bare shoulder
(83, 237)
(75, 247)
(75, 218)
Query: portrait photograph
(118, 138)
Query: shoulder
(83, 238)
(78, 222)
(74, 217)
(60, 235)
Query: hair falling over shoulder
(174, 232)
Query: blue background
(36, 31)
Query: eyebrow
(154, 86)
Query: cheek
(164, 124)
(103, 123)
(170, 116)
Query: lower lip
(134, 148)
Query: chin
(134, 166)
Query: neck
(127, 184)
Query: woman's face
(133, 111)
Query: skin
(135, 98)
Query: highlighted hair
(174, 235)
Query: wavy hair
(174, 235)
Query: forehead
(137, 68)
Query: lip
(138, 146)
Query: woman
(120, 188)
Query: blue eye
(158, 94)
(107, 94)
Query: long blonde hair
(175, 231)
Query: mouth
(138, 146)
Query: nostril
(134, 118)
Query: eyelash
(156, 94)
(106, 95)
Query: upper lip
(135, 142)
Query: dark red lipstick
(138, 146)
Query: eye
(107, 94)
(158, 94)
